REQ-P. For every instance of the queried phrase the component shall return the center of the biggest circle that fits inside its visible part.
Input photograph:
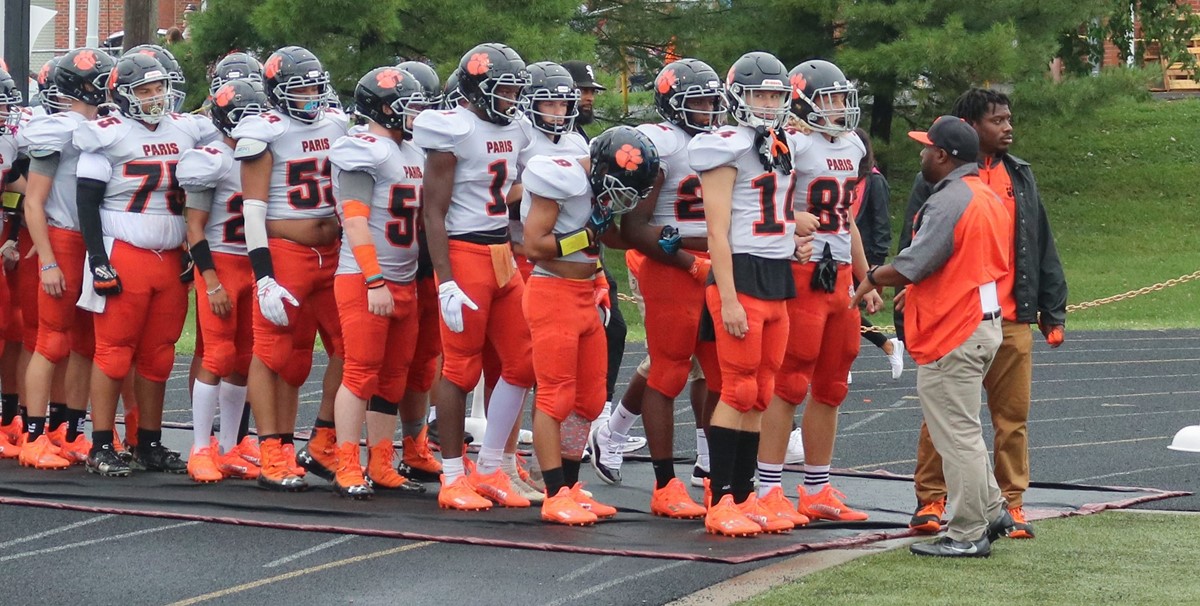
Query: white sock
(502, 414)
(816, 478)
(702, 450)
(770, 475)
(452, 469)
(509, 463)
(232, 401)
(432, 415)
(621, 420)
(604, 414)
(204, 408)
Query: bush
(1078, 96)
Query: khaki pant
(951, 393)
(1008, 384)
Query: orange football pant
(570, 348)
(379, 349)
(29, 284)
(748, 365)
(823, 341)
(674, 301)
(62, 326)
(229, 341)
(429, 338)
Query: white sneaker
(633, 444)
(896, 358)
(606, 454)
(534, 495)
(795, 449)
(849, 378)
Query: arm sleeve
(355, 185)
(200, 199)
(89, 195)
(45, 166)
(933, 243)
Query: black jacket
(874, 223)
(1040, 287)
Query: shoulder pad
(249, 149)
(264, 127)
(665, 139)
(200, 128)
(361, 152)
(338, 117)
(202, 168)
(46, 134)
(799, 142)
(707, 151)
(857, 142)
(95, 135)
(441, 130)
(555, 177)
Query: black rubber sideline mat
(634, 532)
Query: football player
(377, 179)
(12, 180)
(225, 289)
(131, 218)
(824, 336)
(745, 172)
(471, 164)
(59, 367)
(293, 238)
(571, 201)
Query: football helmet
(684, 80)
(82, 74)
(753, 73)
(817, 88)
(431, 84)
(236, 99)
(235, 66)
(624, 165)
(452, 94)
(486, 68)
(10, 98)
(47, 91)
(290, 68)
(175, 73)
(135, 69)
(549, 81)
(393, 88)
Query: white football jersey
(395, 204)
(759, 222)
(570, 145)
(564, 180)
(143, 203)
(826, 172)
(300, 186)
(54, 133)
(487, 156)
(8, 154)
(213, 167)
(679, 201)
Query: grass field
(1109, 558)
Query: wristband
(871, 276)
(375, 281)
(260, 262)
(364, 254)
(49, 266)
(216, 290)
(573, 242)
(12, 200)
(202, 256)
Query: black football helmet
(484, 69)
(133, 70)
(549, 81)
(235, 66)
(431, 84)
(82, 74)
(290, 68)
(236, 99)
(47, 91)
(818, 89)
(10, 99)
(174, 72)
(682, 81)
(452, 94)
(393, 88)
(757, 72)
(624, 167)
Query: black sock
(664, 471)
(148, 438)
(570, 472)
(75, 421)
(58, 415)
(244, 427)
(269, 436)
(323, 423)
(287, 438)
(722, 451)
(22, 410)
(35, 427)
(554, 480)
(101, 439)
(9, 407)
(745, 463)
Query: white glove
(452, 300)
(271, 297)
(8, 250)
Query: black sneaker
(1002, 526)
(105, 461)
(945, 547)
(157, 457)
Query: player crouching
(377, 181)
(570, 202)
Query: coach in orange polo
(960, 248)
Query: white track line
(1125, 473)
(613, 583)
(861, 422)
(308, 552)
(114, 537)
(52, 532)
(586, 568)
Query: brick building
(55, 38)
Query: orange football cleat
(780, 506)
(673, 501)
(462, 496)
(725, 518)
(563, 508)
(586, 501)
(827, 505)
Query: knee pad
(382, 405)
(53, 344)
(667, 376)
(156, 364)
(740, 390)
(220, 359)
(463, 372)
(520, 373)
(360, 380)
(297, 368)
(114, 362)
(792, 387)
(830, 393)
(420, 376)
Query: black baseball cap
(583, 74)
(952, 134)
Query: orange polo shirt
(995, 175)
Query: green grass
(1110, 558)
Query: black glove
(601, 219)
(669, 239)
(187, 275)
(105, 280)
(824, 277)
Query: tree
(138, 28)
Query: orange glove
(1052, 332)
(699, 270)
(603, 301)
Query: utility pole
(139, 27)
(16, 42)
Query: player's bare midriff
(569, 269)
(309, 232)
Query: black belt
(991, 315)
